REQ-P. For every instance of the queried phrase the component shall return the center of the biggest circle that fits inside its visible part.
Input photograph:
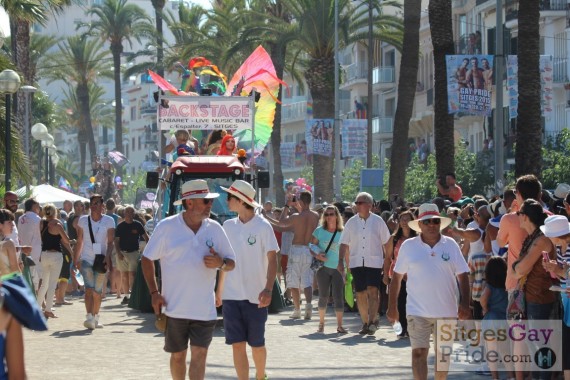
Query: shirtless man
(299, 273)
(452, 190)
(461, 73)
(475, 78)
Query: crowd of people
(453, 257)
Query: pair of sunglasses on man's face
(435, 221)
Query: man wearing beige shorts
(434, 266)
(127, 237)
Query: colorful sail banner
(546, 80)
(319, 134)
(469, 84)
(354, 137)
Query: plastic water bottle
(397, 328)
(79, 278)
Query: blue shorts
(244, 322)
(93, 280)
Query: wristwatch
(224, 264)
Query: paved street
(129, 347)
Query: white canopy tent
(48, 194)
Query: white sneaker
(96, 321)
(308, 311)
(296, 314)
(89, 322)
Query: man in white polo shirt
(191, 249)
(434, 265)
(246, 291)
(362, 246)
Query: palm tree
(442, 40)
(315, 38)
(22, 14)
(20, 166)
(80, 61)
(406, 91)
(40, 44)
(116, 22)
(528, 157)
(158, 6)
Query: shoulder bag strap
(90, 230)
(330, 242)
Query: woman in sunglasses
(327, 238)
(539, 299)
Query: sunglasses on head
(360, 203)
(329, 214)
(431, 221)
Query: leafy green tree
(556, 160)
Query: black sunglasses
(329, 214)
(435, 221)
(360, 202)
(207, 200)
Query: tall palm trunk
(442, 40)
(21, 57)
(320, 79)
(406, 91)
(528, 155)
(116, 50)
(277, 53)
(82, 140)
(83, 97)
(158, 8)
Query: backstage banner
(205, 112)
(546, 80)
(354, 137)
(319, 134)
(469, 84)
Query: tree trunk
(158, 8)
(442, 40)
(116, 50)
(83, 97)
(528, 155)
(21, 55)
(320, 79)
(406, 91)
(277, 53)
(82, 139)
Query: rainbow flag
(64, 184)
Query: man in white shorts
(299, 273)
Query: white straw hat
(244, 191)
(196, 189)
(562, 190)
(429, 211)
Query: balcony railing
(355, 71)
(293, 112)
(383, 74)
(383, 125)
(429, 96)
(560, 69)
(512, 7)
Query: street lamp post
(40, 133)
(9, 84)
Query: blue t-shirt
(324, 237)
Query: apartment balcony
(458, 3)
(148, 109)
(560, 69)
(383, 125)
(481, 2)
(383, 74)
(356, 72)
(467, 45)
(548, 8)
(293, 112)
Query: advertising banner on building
(469, 84)
(205, 113)
(354, 137)
(319, 135)
(546, 80)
